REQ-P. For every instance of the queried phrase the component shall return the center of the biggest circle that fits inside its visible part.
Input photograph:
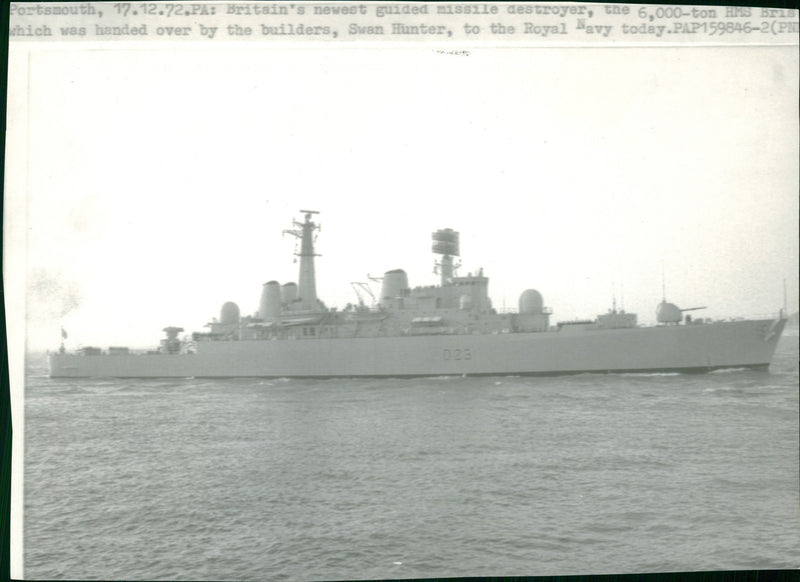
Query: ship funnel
(288, 293)
(269, 308)
(395, 284)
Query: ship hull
(681, 348)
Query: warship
(435, 330)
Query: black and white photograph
(399, 303)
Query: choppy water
(348, 479)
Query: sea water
(346, 479)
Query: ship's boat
(445, 329)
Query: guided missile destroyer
(437, 330)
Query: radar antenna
(445, 243)
(613, 297)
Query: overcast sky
(158, 182)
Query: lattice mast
(307, 283)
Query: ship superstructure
(449, 328)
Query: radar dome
(531, 302)
(668, 313)
(229, 314)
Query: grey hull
(678, 348)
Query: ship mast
(445, 243)
(307, 285)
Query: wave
(649, 374)
(730, 371)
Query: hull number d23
(457, 354)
